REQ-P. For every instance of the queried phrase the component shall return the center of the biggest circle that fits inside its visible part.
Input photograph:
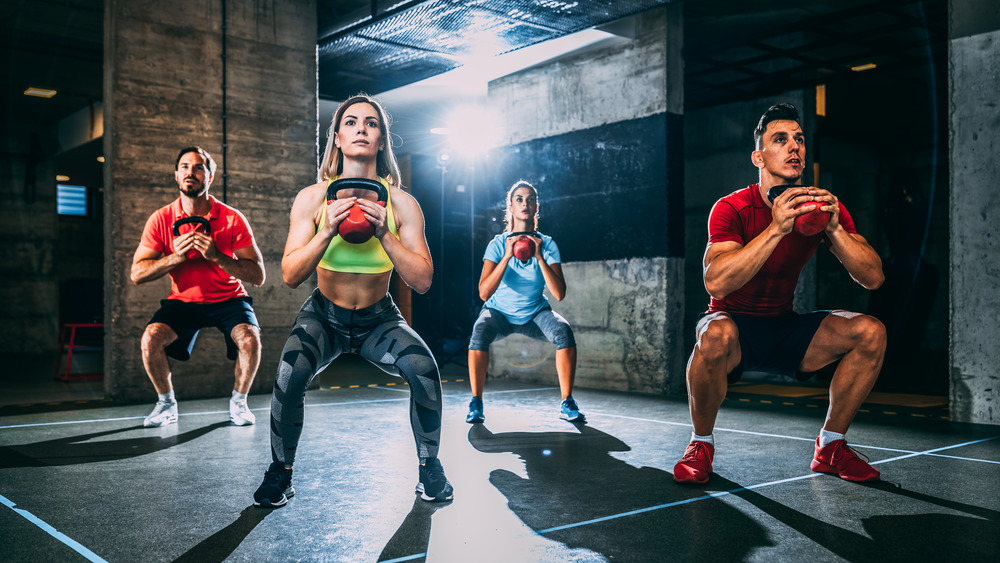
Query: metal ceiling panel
(402, 43)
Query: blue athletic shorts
(187, 319)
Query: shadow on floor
(571, 478)
(220, 545)
(75, 450)
(414, 533)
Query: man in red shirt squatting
(208, 250)
(752, 264)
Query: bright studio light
(471, 130)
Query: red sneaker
(837, 458)
(696, 465)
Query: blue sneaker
(569, 411)
(475, 411)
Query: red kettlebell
(198, 222)
(814, 222)
(808, 224)
(524, 248)
(355, 228)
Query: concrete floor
(93, 484)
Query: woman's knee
(563, 337)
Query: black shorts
(775, 344)
(187, 319)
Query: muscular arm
(729, 265)
(248, 266)
(858, 257)
(304, 246)
(853, 251)
(409, 253)
(149, 265)
(492, 274)
(552, 274)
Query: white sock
(167, 397)
(709, 439)
(238, 396)
(825, 437)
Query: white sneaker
(239, 413)
(162, 415)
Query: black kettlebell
(355, 228)
(775, 191)
(198, 222)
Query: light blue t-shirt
(519, 295)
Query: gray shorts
(492, 325)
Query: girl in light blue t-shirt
(511, 285)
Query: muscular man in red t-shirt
(751, 265)
(207, 271)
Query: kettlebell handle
(357, 184)
(529, 233)
(199, 221)
(775, 191)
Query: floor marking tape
(68, 541)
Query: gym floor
(81, 479)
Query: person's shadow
(75, 450)
(414, 533)
(221, 544)
(906, 537)
(572, 479)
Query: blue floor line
(68, 541)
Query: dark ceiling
(734, 49)
(408, 41)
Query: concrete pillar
(974, 80)
(163, 91)
(601, 136)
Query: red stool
(71, 346)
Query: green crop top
(365, 258)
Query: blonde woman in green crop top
(350, 310)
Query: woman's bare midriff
(352, 291)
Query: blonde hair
(508, 217)
(333, 158)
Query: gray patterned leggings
(379, 334)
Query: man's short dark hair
(204, 154)
(777, 112)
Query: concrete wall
(163, 77)
(625, 295)
(29, 287)
(974, 80)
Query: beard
(196, 190)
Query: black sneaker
(276, 488)
(433, 485)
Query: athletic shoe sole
(423, 495)
(166, 422)
(820, 467)
(578, 418)
(281, 502)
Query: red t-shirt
(198, 280)
(740, 217)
